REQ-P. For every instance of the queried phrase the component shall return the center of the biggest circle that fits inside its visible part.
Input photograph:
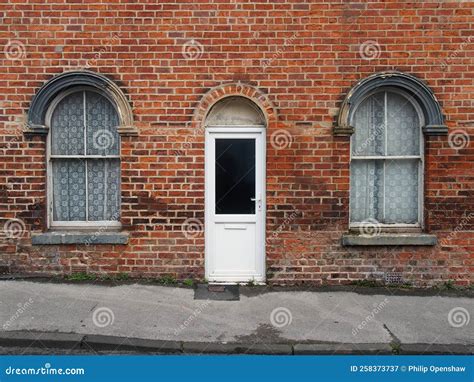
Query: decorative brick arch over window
(84, 78)
(235, 89)
(82, 114)
(415, 88)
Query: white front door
(235, 204)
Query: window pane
(113, 190)
(403, 126)
(102, 122)
(367, 189)
(401, 182)
(67, 126)
(399, 202)
(69, 188)
(103, 189)
(369, 135)
(235, 176)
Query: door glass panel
(235, 176)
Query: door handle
(259, 202)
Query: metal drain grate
(393, 278)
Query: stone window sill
(389, 239)
(79, 237)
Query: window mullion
(385, 124)
(369, 203)
(68, 193)
(385, 153)
(85, 160)
(106, 170)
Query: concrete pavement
(308, 321)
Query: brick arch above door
(217, 93)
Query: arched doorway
(235, 191)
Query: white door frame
(259, 133)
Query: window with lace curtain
(83, 160)
(387, 160)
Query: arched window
(387, 159)
(83, 159)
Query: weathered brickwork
(297, 60)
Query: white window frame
(87, 224)
(421, 164)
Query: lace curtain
(85, 159)
(385, 188)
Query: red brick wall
(304, 56)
